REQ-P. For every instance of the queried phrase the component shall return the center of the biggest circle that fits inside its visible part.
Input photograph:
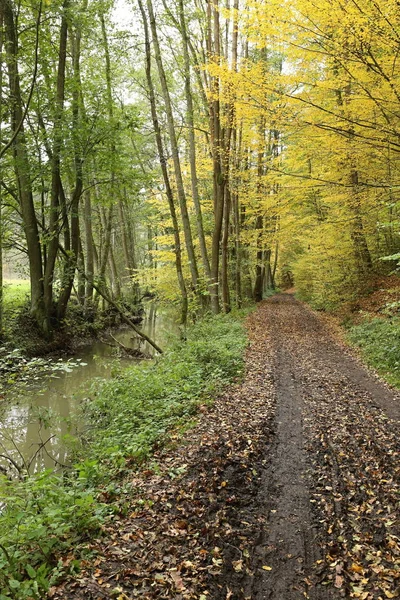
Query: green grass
(138, 407)
(16, 293)
(379, 341)
(48, 516)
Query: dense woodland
(202, 152)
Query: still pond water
(35, 420)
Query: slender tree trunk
(75, 237)
(73, 257)
(175, 151)
(260, 271)
(81, 274)
(89, 250)
(357, 232)
(226, 301)
(106, 243)
(228, 158)
(163, 165)
(192, 147)
(1, 255)
(22, 171)
(217, 147)
(267, 271)
(198, 57)
(275, 264)
(357, 227)
(259, 224)
(54, 223)
(116, 286)
(237, 224)
(238, 250)
(129, 251)
(109, 219)
(150, 245)
(1, 174)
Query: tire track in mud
(286, 551)
(285, 556)
(332, 484)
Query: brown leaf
(237, 565)
(177, 579)
(338, 581)
(392, 594)
(356, 568)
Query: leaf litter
(201, 514)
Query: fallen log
(120, 311)
(130, 351)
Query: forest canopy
(201, 152)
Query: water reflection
(37, 420)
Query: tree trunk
(54, 223)
(1, 176)
(163, 165)
(226, 301)
(260, 267)
(89, 250)
(129, 251)
(116, 286)
(107, 220)
(81, 274)
(75, 237)
(218, 151)
(238, 250)
(361, 249)
(237, 224)
(106, 243)
(192, 148)
(22, 172)
(259, 224)
(175, 151)
(228, 160)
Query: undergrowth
(133, 410)
(379, 340)
(46, 518)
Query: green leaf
(31, 571)
(14, 584)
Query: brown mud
(287, 488)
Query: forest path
(288, 487)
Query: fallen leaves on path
(185, 524)
(354, 451)
(197, 516)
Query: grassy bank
(379, 341)
(15, 296)
(46, 520)
(133, 411)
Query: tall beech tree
(21, 163)
(164, 169)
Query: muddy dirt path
(288, 488)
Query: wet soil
(287, 488)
